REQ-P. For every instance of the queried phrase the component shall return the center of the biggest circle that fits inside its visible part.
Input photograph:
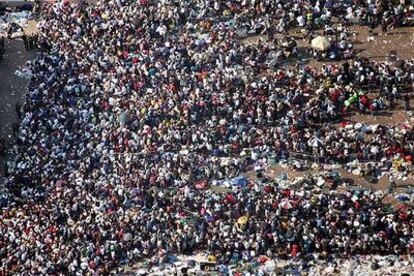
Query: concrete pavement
(12, 88)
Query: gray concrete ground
(12, 88)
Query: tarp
(240, 181)
(199, 258)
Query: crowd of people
(134, 107)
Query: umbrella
(231, 198)
(262, 259)
(316, 142)
(286, 204)
(320, 43)
(211, 258)
(243, 220)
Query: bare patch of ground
(12, 88)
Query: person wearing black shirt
(407, 102)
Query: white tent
(315, 142)
(320, 43)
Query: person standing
(36, 8)
(2, 147)
(384, 26)
(31, 42)
(392, 184)
(18, 109)
(407, 102)
(26, 42)
(2, 48)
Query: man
(384, 26)
(2, 48)
(36, 8)
(2, 147)
(31, 42)
(392, 184)
(34, 40)
(26, 42)
(407, 102)
(18, 109)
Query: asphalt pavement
(12, 88)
